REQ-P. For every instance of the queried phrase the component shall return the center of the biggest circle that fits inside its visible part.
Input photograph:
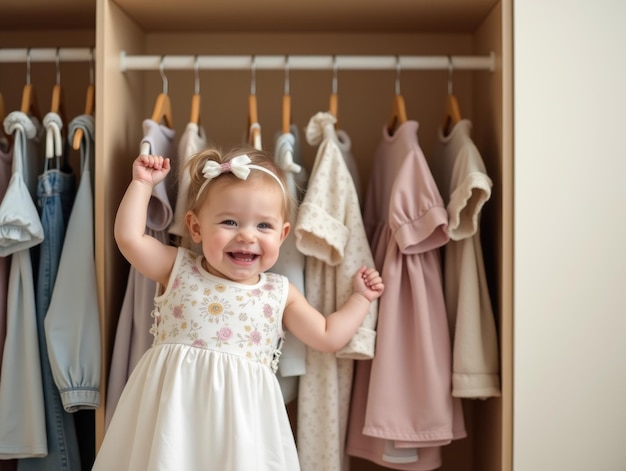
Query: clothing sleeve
(471, 190)
(418, 220)
(330, 228)
(72, 323)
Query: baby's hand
(368, 283)
(150, 169)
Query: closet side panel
(493, 440)
(118, 131)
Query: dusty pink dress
(402, 406)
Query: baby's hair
(257, 157)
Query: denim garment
(55, 195)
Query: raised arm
(148, 255)
(333, 332)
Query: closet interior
(123, 32)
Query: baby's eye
(229, 222)
(265, 225)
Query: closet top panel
(462, 16)
(47, 14)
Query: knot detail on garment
(284, 153)
(321, 126)
(86, 123)
(54, 141)
(18, 120)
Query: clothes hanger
(195, 99)
(286, 100)
(90, 104)
(452, 112)
(333, 107)
(254, 131)
(163, 106)
(57, 103)
(398, 109)
(29, 97)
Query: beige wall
(570, 216)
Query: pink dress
(402, 402)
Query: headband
(239, 166)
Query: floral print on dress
(201, 310)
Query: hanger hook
(58, 65)
(398, 70)
(334, 87)
(253, 75)
(450, 71)
(196, 72)
(287, 75)
(28, 66)
(163, 76)
(91, 74)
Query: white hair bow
(239, 166)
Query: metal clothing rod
(46, 54)
(306, 62)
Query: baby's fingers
(372, 278)
(155, 162)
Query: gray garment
(291, 264)
(6, 163)
(133, 337)
(22, 419)
(73, 320)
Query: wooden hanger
(398, 109)
(57, 103)
(286, 101)
(162, 112)
(452, 114)
(90, 108)
(29, 101)
(286, 114)
(29, 97)
(90, 105)
(398, 113)
(254, 133)
(452, 111)
(195, 109)
(333, 107)
(195, 99)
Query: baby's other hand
(151, 169)
(368, 283)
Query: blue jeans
(55, 196)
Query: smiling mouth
(243, 256)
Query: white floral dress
(205, 396)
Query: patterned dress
(205, 396)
